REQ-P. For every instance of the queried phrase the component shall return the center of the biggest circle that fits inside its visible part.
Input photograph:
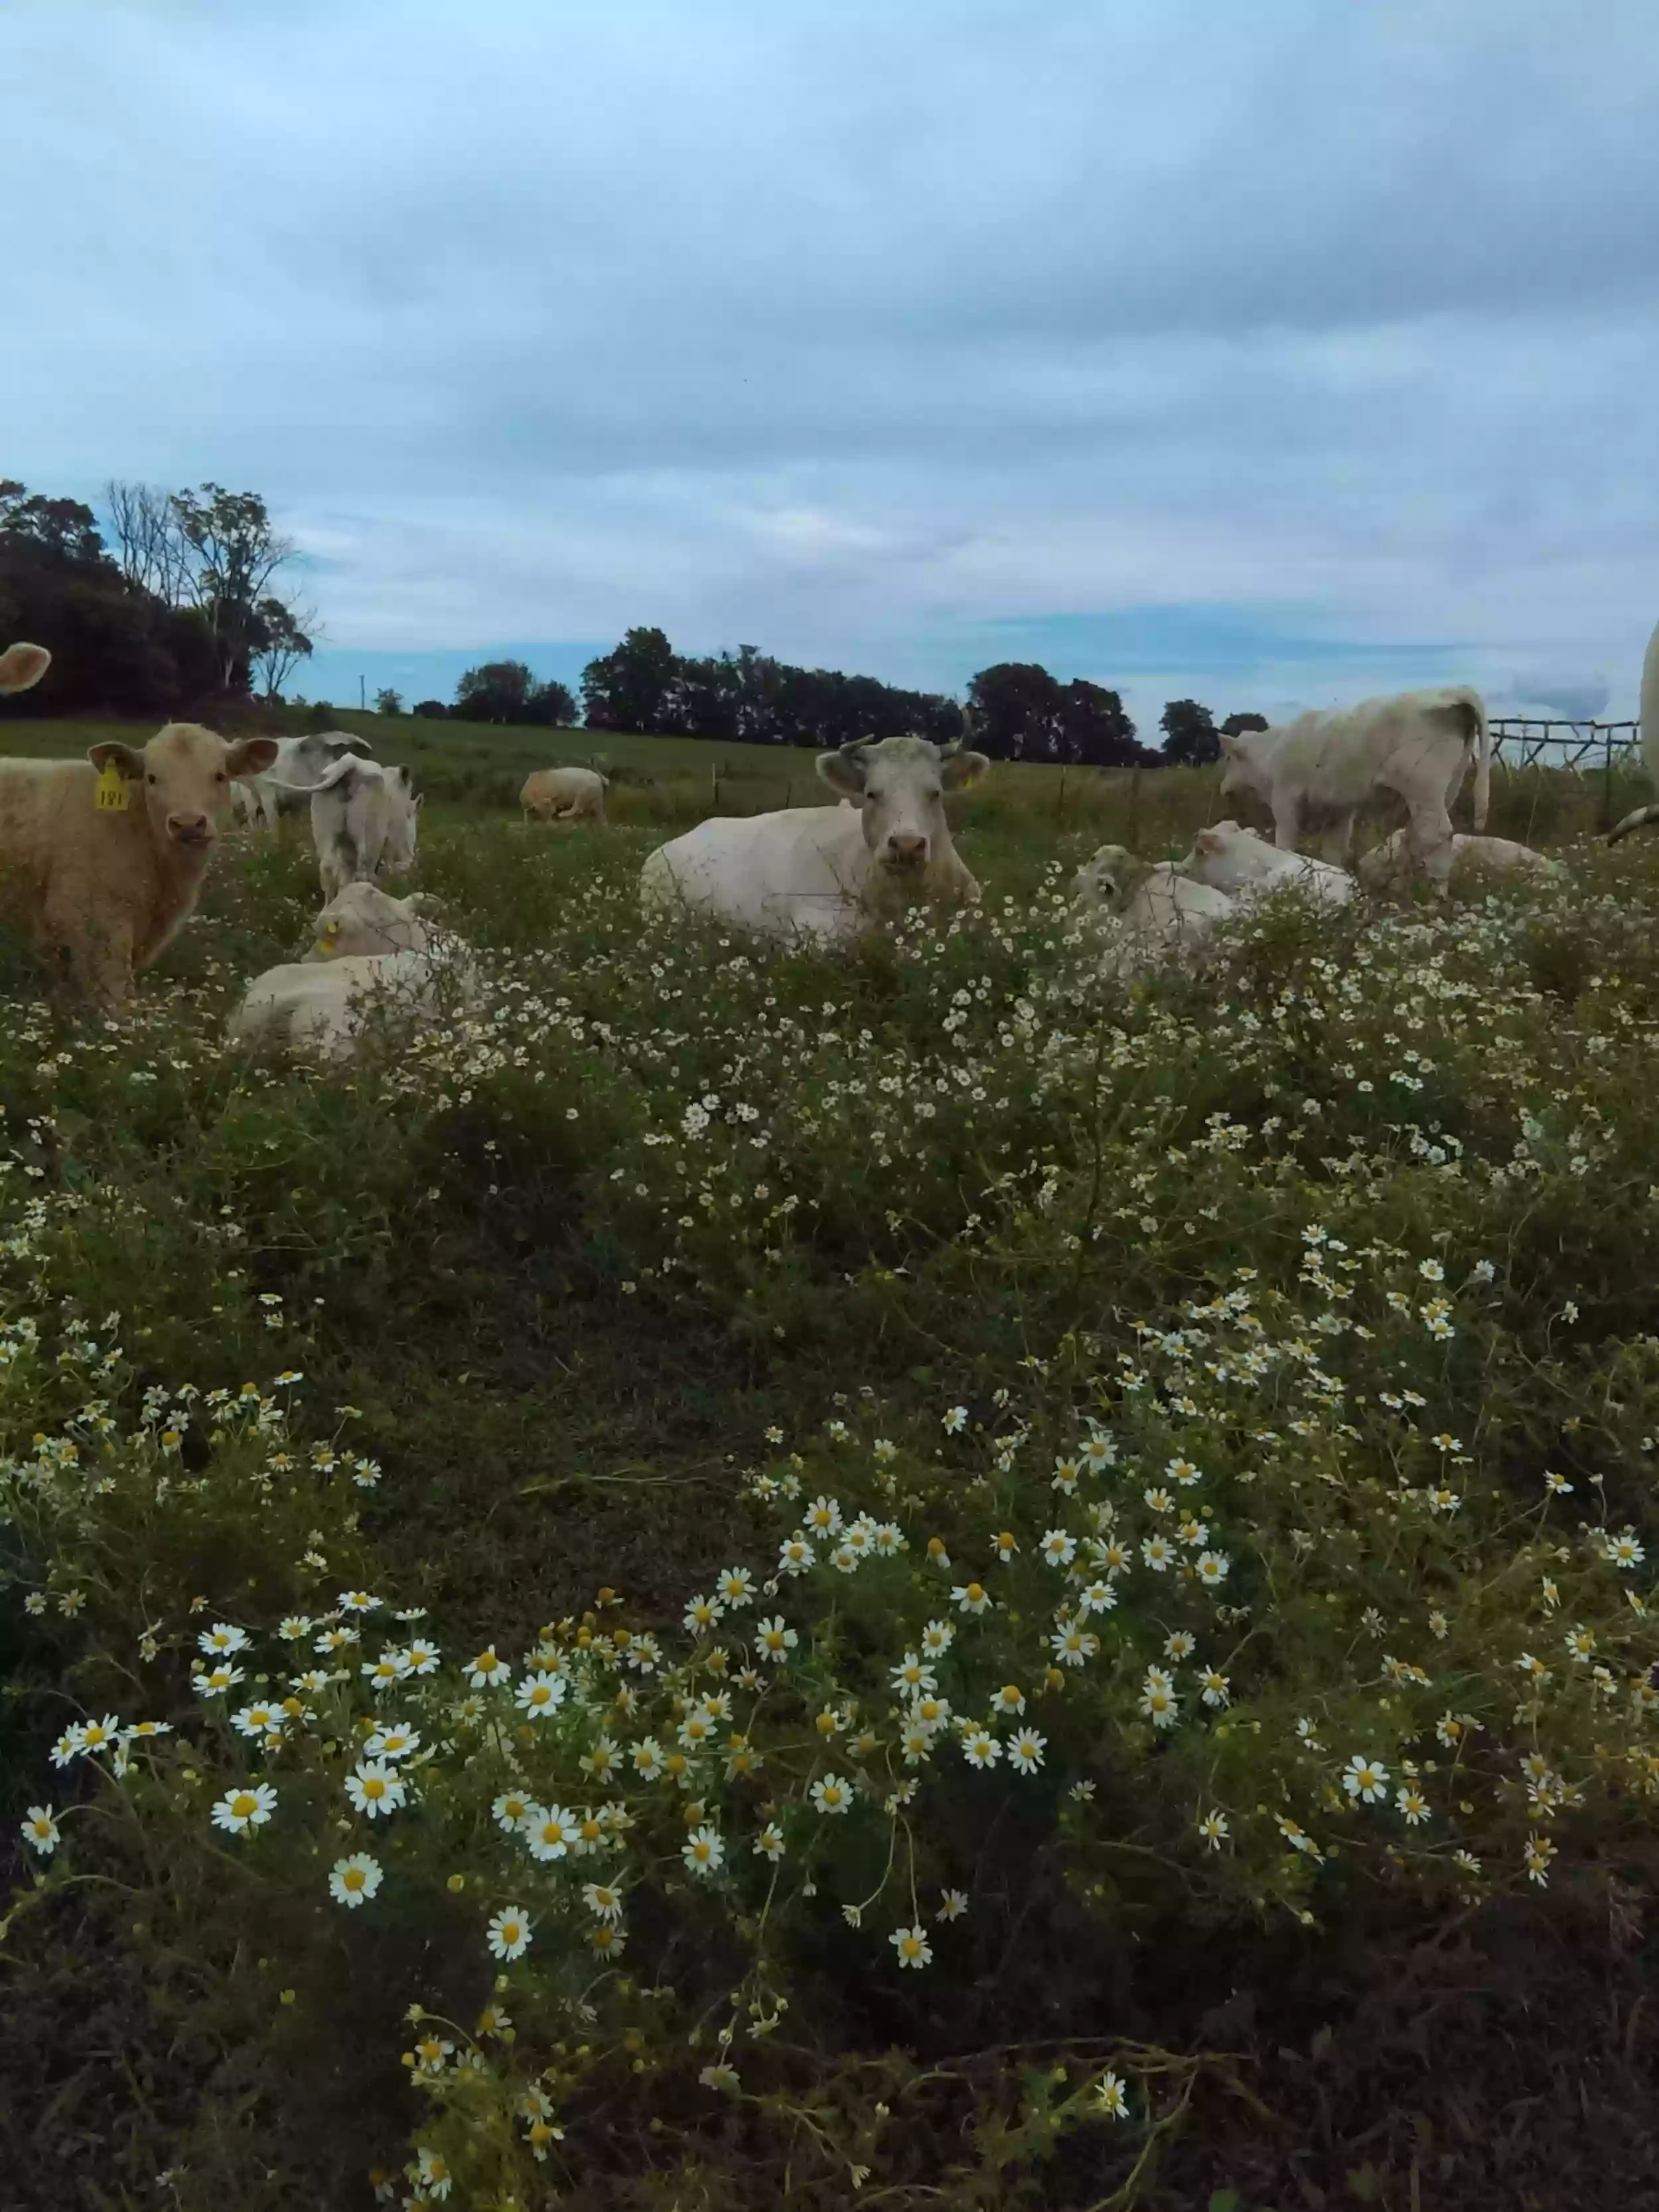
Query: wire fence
(1521, 741)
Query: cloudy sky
(1270, 354)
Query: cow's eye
(221, 777)
(149, 778)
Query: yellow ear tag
(112, 790)
(330, 938)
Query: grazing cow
(22, 666)
(563, 794)
(1389, 865)
(107, 855)
(1418, 745)
(300, 765)
(1649, 712)
(1150, 912)
(365, 821)
(1245, 867)
(829, 871)
(363, 919)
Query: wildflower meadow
(754, 1578)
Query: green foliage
(660, 1390)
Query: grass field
(596, 1433)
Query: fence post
(1607, 777)
(1060, 810)
(1135, 807)
(714, 781)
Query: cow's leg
(1429, 835)
(1287, 820)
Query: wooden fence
(1523, 742)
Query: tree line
(1015, 710)
(172, 602)
(177, 602)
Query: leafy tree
(1236, 724)
(388, 701)
(1095, 731)
(632, 687)
(494, 691)
(431, 710)
(278, 646)
(1016, 710)
(234, 552)
(1189, 735)
(552, 706)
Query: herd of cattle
(107, 855)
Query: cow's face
(1108, 878)
(184, 775)
(364, 919)
(1242, 776)
(899, 784)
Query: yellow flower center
(242, 1804)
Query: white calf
(1247, 868)
(1151, 914)
(365, 822)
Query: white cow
(1236, 860)
(324, 1006)
(365, 822)
(1150, 914)
(1389, 865)
(363, 919)
(1650, 711)
(1418, 744)
(829, 871)
(299, 766)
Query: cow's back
(797, 869)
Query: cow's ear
(1228, 741)
(249, 757)
(961, 769)
(123, 758)
(843, 771)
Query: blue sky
(1271, 355)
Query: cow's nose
(906, 849)
(188, 829)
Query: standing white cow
(365, 821)
(828, 871)
(1650, 711)
(1418, 744)
(1150, 912)
(299, 766)
(1236, 860)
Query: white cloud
(851, 331)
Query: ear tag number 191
(112, 790)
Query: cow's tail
(1480, 737)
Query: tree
(494, 691)
(430, 710)
(115, 646)
(1189, 735)
(1236, 724)
(634, 686)
(278, 645)
(150, 547)
(1014, 710)
(388, 702)
(1095, 732)
(234, 552)
(552, 706)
